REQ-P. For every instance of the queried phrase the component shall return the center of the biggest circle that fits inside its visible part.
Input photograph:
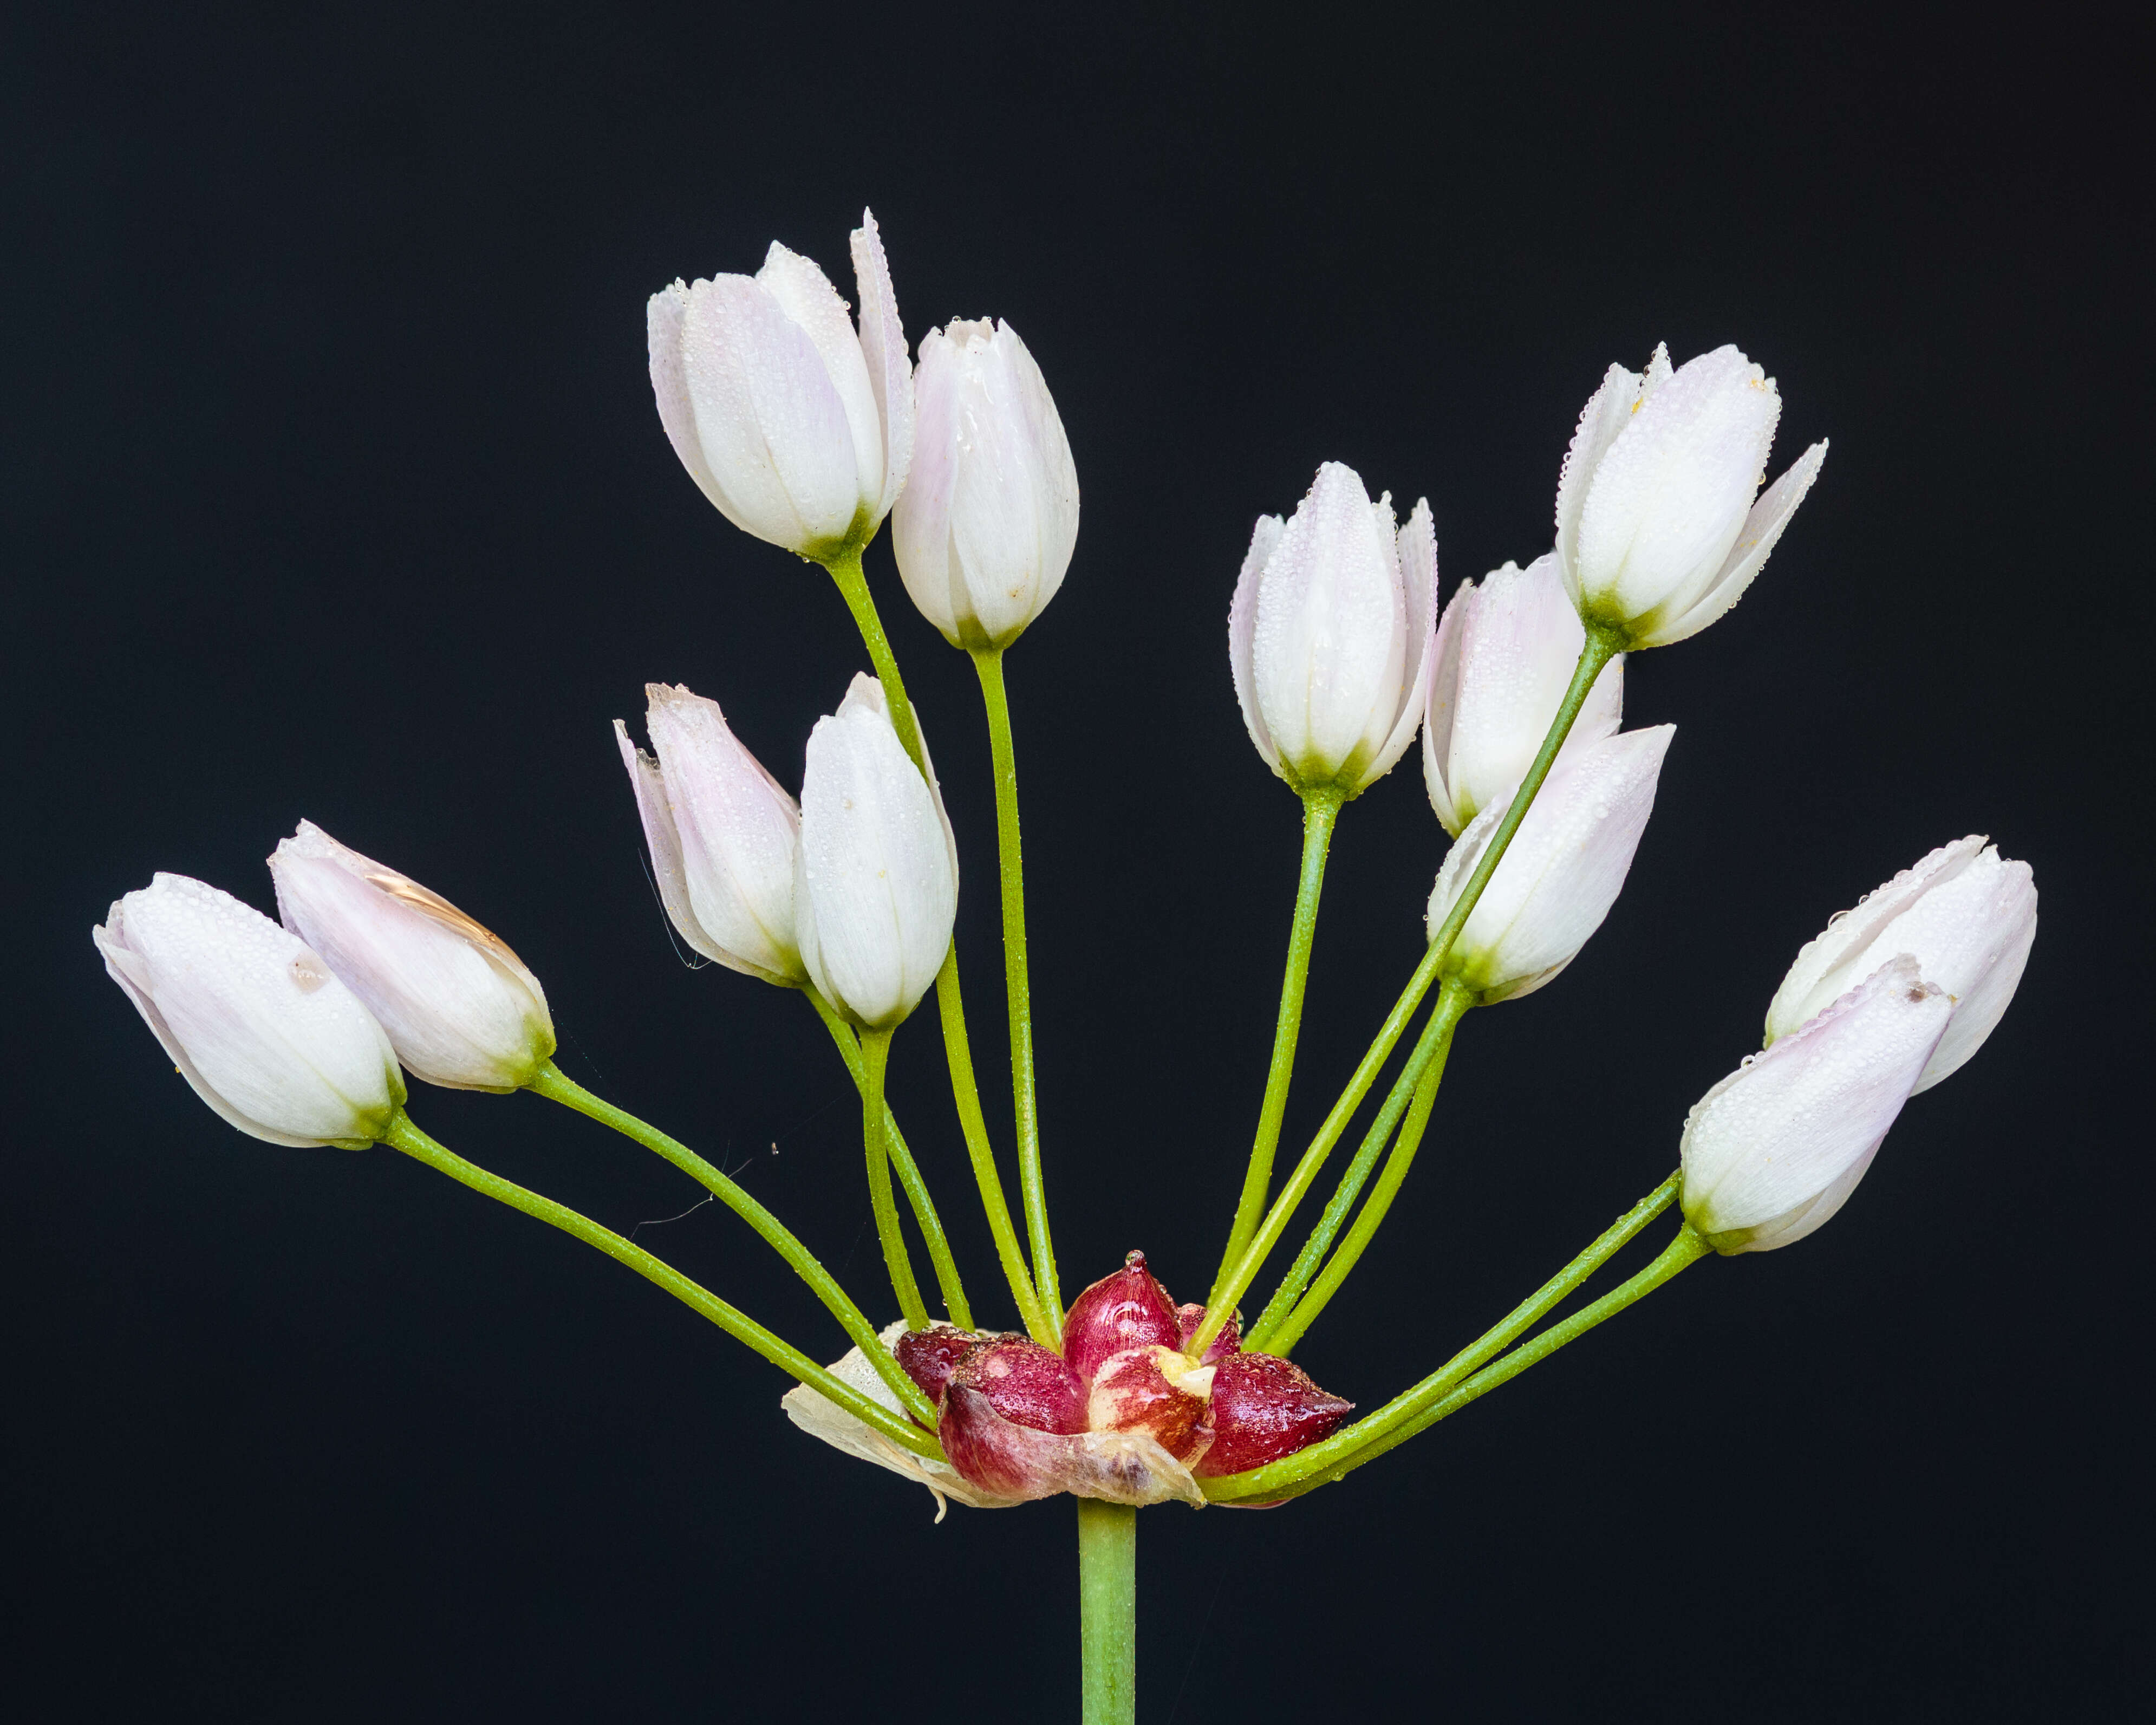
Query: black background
(334, 488)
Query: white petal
(920, 521)
(1518, 642)
(883, 348)
(805, 293)
(664, 320)
(1762, 532)
(1331, 637)
(877, 885)
(1442, 706)
(1967, 914)
(665, 843)
(736, 826)
(1242, 626)
(1608, 411)
(1562, 871)
(1785, 1129)
(772, 428)
(1417, 564)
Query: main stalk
(1108, 1610)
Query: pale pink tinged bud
(254, 1019)
(875, 886)
(796, 426)
(1189, 1316)
(1966, 914)
(1657, 529)
(460, 1008)
(1124, 1311)
(1264, 1408)
(1155, 1390)
(984, 531)
(1331, 634)
(1505, 654)
(929, 1357)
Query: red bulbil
(1024, 1383)
(996, 1454)
(928, 1356)
(1229, 1341)
(1119, 1312)
(1264, 1408)
(1132, 1392)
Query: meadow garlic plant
(808, 428)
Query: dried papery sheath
(1658, 533)
(460, 1008)
(798, 427)
(254, 1019)
(1966, 914)
(836, 1427)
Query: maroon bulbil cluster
(1012, 1409)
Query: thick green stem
(1327, 1460)
(1232, 1288)
(1285, 1322)
(1033, 1196)
(950, 1004)
(853, 587)
(557, 1086)
(1321, 811)
(909, 1172)
(1107, 1610)
(404, 1136)
(950, 1007)
(1602, 645)
(876, 1056)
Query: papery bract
(1506, 652)
(1562, 871)
(984, 529)
(1658, 533)
(1966, 915)
(255, 1020)
(876, 877)
(796, 426)
(1330, 635)
(460, 1008)
(1775, 1149)
(723, 833)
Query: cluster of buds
(1122, 1413)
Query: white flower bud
(1775, 1149)
(1505, 656)
(722, 833)
(1657, 530)
(256, 1023)
(1331, 635)
(459, 1008)
(1561, 872)
(799, 428)
(876, 878)
(984, 529)
(1964, 913)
